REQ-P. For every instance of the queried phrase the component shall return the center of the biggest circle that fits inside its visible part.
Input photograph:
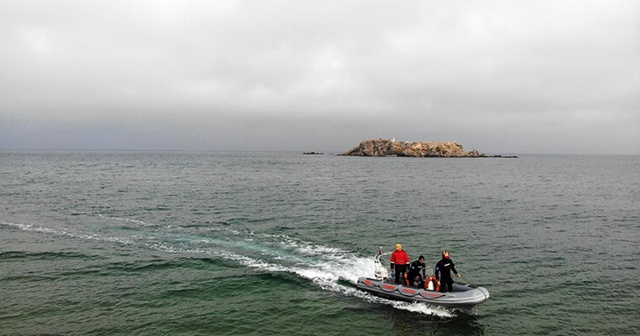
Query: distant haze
(497, 76)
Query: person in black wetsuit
(443, 272)
(416, 272)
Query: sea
(272, 243)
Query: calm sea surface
(272, 243)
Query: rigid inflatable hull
(463, 296)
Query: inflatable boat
(463, 296)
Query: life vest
(431, 283)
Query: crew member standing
(399, 261)
(443, 272)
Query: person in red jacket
(399, 261)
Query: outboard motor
(380, 272)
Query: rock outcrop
(385, 147)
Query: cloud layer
(500, 76)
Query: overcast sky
(498, 76)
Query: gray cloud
(499, 76)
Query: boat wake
(329, 268)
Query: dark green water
(272, 243)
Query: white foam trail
(334, 264)
(330, 265)
(119, 219)
(63, 232)
(329, 281)
(135, 221)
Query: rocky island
(385, 147)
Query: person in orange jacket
(399, 262)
